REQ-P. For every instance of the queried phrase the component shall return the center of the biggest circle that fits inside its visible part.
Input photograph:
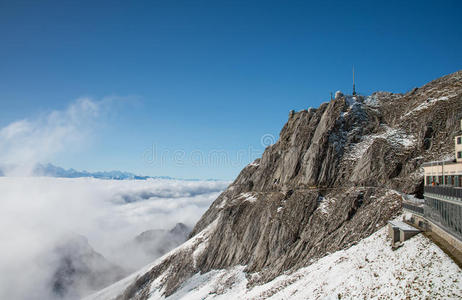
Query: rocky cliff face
(152, 244)
(79, 270)
(334, 176)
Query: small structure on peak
(338, 94)
(291, 113)
(354, 89)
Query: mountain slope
(333, 178)
(151, 244)
(79, 270)
(367, 270)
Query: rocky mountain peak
(334, 177)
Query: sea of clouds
(36, 212)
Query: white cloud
(27, 142)
(36, 211)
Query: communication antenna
(354, 90)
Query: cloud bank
(41, 214)
(36, 212)
(27, 142)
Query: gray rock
(333, 178)
(79, 270)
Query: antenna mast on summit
(354, 90)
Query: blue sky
(197, 78)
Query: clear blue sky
(210, 75)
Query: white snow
(391, 135)
(352, 100)
(367, 270)
(370, 270)
(254, 164)
(325, 204)
(250, 197)
(199, 250)
(372, 101)
(430, 102)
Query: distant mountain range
(51, 170)
(55, 171)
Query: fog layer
(36, 212)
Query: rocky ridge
(79, 270)
(334, 177)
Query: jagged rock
(79, 270)
(155, 243)
(333, 177)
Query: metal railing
(414, 208)
(446, 191)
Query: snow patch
(254, 164)
(391, 135)
(372, 101)
(425, 105)
(250, 197)
(325, 204)
(352, 100)
(370, 269)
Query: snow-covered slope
(370, 269)
(333, 178)
(193, 246)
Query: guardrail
(447, 191)
(414, 208)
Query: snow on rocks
(370, 269)
(325, 204)
(352, 100)
(225, 284)
(254, 164)
(425, 105)
(372, 101)
(391, 135)
(250, 197)
(223, 203)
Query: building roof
(439, 163)
(401, 225)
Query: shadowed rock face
(333, 178)
(79, 269)
(156, 242)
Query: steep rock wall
(333, 177)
